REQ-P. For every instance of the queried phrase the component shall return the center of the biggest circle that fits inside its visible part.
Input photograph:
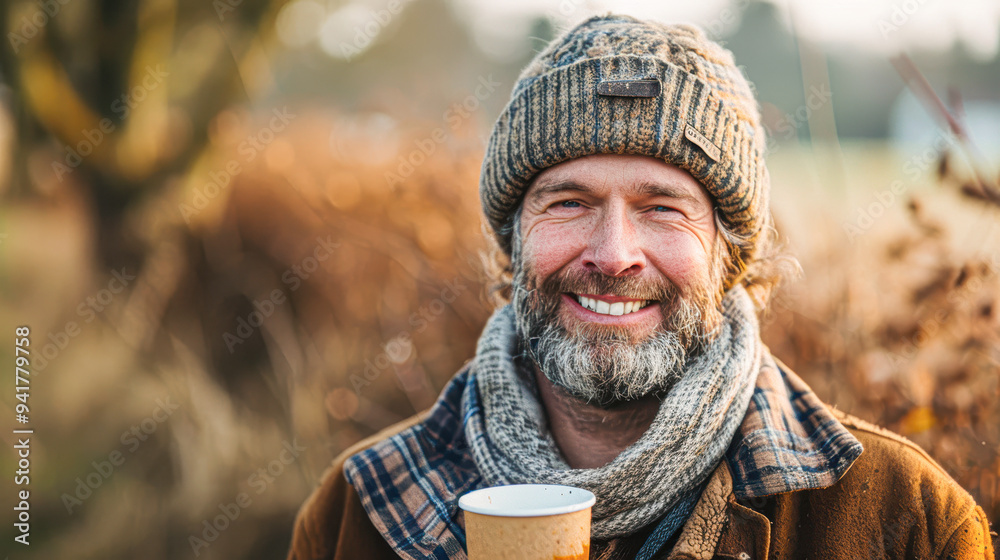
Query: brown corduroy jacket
(895, 502)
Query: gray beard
(605, 369)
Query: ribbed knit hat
(618, 85)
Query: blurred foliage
(903, 329)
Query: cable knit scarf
(698, 417)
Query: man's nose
(614, 247)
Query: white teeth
(605, 308)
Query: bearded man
(626, 182)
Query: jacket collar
(789, 440)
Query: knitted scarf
(697, 419)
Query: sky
(880, 26)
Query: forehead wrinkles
(634, 188)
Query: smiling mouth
(620, 307)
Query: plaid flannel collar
(410, 483)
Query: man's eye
(569, 204)
(662, 209)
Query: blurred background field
(246, 234)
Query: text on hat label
(710, 149)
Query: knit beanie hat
(618, 85)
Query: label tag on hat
(710, 149)
(629, 88)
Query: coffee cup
(528, 522)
